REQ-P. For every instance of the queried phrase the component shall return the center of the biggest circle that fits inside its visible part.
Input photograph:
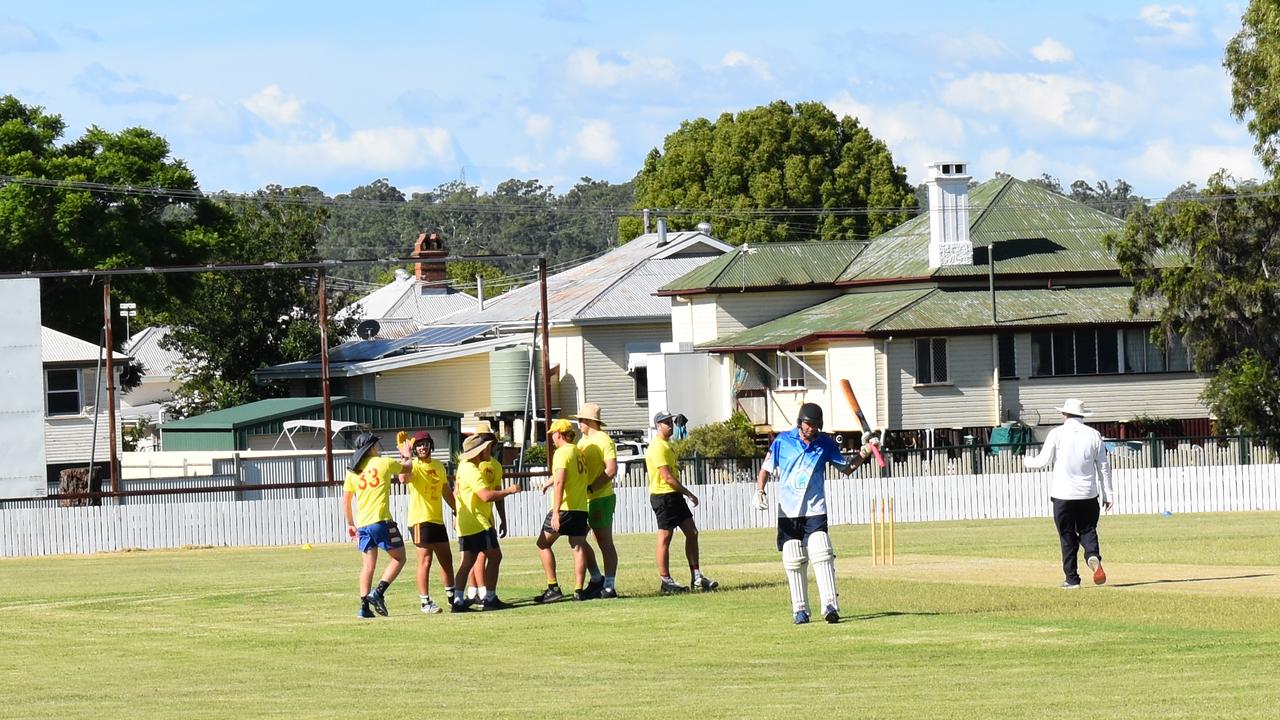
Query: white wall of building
(22, 457)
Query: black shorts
(573, 523)
(428, 533)
(800, 528)
(479, 542)
(671, 510)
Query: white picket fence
(292, 521)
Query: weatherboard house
(990, 309)
(604, 319)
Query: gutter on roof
(748, 289)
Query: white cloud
(915, 133)
(1061, 104)
(1176, 20)
(522, 164)
(1171, 163)
(537, 126)
(588, 67)
(1052, 51)
(595, 142)
(737, 58)
(274, 106)
(375, 150)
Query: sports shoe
(364, 613)
(1068, 585)
(377, 602)
(1099, 575)
(802, 617)
(831, 614)
(671, 587)
(593, 589)
(705, 584)
(608, 594)
(494, 603)
(431, 608)
(551, 594)
(580, 595)
(459, 607)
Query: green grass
(968, 624)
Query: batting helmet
(810, 413)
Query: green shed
(261, 425)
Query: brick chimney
(949, 242)
(430, 252)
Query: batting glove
(871, 438)
(761, 501)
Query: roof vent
(704, 227)
(662, 232)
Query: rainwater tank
(509, 379)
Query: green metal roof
(1038, 231)
(273, 411)
(770, 265)
(936, 309)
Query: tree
(463, 273)
(1213, 262)
(1253, 61)
(73, 227)
(238, 322)
(777, 157)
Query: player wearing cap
(369, 483)
(428, 491)
(667, 498)
(601, 457)
(568, 513)
(798, 458)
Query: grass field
(968, 624)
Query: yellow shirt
(492, 471)
(426, 491)
(575, 477)
(660, 455)
(372, 488)
(474, 514)
(597, 449)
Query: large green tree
(1212, 258)
(824, 177)
(238, 322)
(79, 226)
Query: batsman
(798, 458)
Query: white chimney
(949, 242)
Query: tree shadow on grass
(893, 613)
(1190, 580)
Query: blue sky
(339, 94)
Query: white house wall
(738, 311)
(458, 385)
(693, 383)
(854, 361)
(566, 351)
(965, 400)
(693, 319)
(605, 371)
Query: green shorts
(600, 512)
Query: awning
(293, 426)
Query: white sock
(425, 599)
(697, 575)
(482, 592)
(471, 592)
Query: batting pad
(796, 563)
(824, 567)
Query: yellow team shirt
(492, 471)
(474, 515)
(426, 492)
(597, 448)
(658, 455)
(575, 476)
(372, 488)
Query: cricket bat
(857, 410)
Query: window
(931, 360)
(62, 392)
(1101, 352)
(790, 373)
(1140, 355)
(640, 376)
(1008, 358)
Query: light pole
(128, 310)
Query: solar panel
(361, 350)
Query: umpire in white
(799, 459)
(1081, 479)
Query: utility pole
(324, 379)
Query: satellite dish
(368, 329)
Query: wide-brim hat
(1074, 406)
(474, 445)
(483, 428)
(590, 411)
(364, 443)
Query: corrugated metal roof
(571, 292)
(1037, 231)
(358, 350)
(263, 411)
(771, 265)
(632, 295)
(406, 299)
(57, 347)
(144, 347)
(934, 309)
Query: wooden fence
(47, 530)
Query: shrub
(733, 438)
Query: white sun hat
(1074, 406)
